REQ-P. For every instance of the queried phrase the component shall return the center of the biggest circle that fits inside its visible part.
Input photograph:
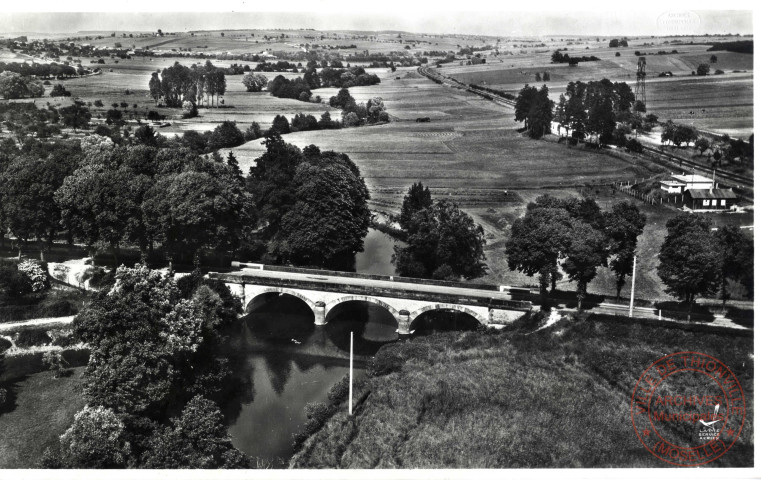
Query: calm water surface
(286, 362)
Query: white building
(681, 183)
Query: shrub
(98, 103)
(103, 130)
(226, 135)
(13, 283)
(99, 277)
(319, 412)
(59, 308)
(35, 273)
(5, 344)
(64, 341)
(340, 391)
(634, 145)
(189, 109)
(154, 116)
(54, 362)
(718, 72)
(32, 338)
(59, 91)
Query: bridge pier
(403, 320)
(319, 313)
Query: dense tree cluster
(24, 119)
(254, 82)
(442, 241)
(178, 83)
(339, 77)
(279, 66)
(559, 57)
(40, 70)
(312, 205)
(615, 43)
(153, 352)
(297, 89)
(14, 85)
(534, 108)
(678, 134)
(356, 114)
(141, 195)
(576, 235)
(591, 108)
(696, 261)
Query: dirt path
(37, 322)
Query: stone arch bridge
(404, 298)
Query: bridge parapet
(371, 290)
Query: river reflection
(283, 361)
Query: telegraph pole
(351, 368)
(631, 302)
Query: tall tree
(27, 189)
(443, 242)
(330, 218)
(735, 259)
(271, 181)
(536, 242)
(540, 114)
(623, 225)
(586, 250)
(689, 259)
(417, 198)
(196, 439)
(154, 87)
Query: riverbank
(518, 398)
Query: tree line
(155, 376)
(576, 235)
(14, 86)
(592, 108)
(559, 57)
(176, 84)
(40, 70)
(142, 195)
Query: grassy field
(133, 76)
(559, 397)
(469, 144)
(44, 409)
(723, 104)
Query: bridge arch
(266, 290)
(449, 306)
(360, 298)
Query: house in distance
(682, 183)
(710, 199)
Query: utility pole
(631, 302)
(351, 369)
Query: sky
(442, 16)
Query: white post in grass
(351, 368)
(634, 275)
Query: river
(286, 362)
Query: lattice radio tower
(639, 91)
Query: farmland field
(470, 143)
(133, 75)
(722, 104)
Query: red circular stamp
(688, 409)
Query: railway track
(664, 158)
(450, 82)
(727, 177)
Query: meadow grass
(44, 408)
(558, 397)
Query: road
(341, 281)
